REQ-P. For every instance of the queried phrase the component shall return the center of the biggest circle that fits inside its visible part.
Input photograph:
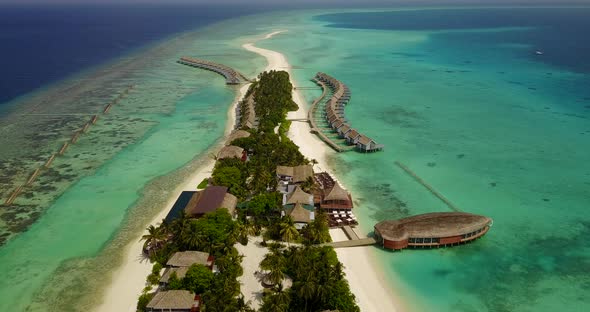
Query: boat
(539, 52)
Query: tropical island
(260, 187)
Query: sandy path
(128, 280)
(371, 291)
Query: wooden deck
(368, 241)
(232, 76)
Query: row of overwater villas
(334, 114)
(231, 76)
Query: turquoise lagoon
(461, 98)
(497, 130)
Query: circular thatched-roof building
(431, 229)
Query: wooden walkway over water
(354, 240)
(333, 113)
(232, 76)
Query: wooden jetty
(354, 240)
(75, 137)
(232, 77)
(334, 115)
(428, 187)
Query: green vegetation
(318, 281)
(203, 184)
(215, 233)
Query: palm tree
(153, 239)
(287, 230)
(273, 262)
(307, 290)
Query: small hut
(231, 151)
(174, 300)
(298, 196)
(300, 215)
(296, 174)
(237, 134)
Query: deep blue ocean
(44, 44)
(560, 33)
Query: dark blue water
(40, 45)
(561, 33)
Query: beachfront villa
(231, 151)
(431, 230)
(211, 199)
(237, 134)
(198, 203)
(180, 262)
(174, 300)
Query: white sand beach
(129, 279)
(372, 292)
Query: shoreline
(366, 281)
(129, 279)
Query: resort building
(336, 198)
(231, 151)
(211, 199)
(174, 300)
(296, 174)
(300, 214)
(180, 262)
(298, 196)
(237, 134)
(431, 230)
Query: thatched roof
(188, 258)
(237, 134)
(298, 173)
(210, 199)
(299, 196)
(229, 202)
(180, 273)
(172, 300)
(431, 225)
(336, 193)
(299, 214)
(230, 151)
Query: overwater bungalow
(342, 131)
(174, 300)
(352, 137)
(366, 144)
(431, 230)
